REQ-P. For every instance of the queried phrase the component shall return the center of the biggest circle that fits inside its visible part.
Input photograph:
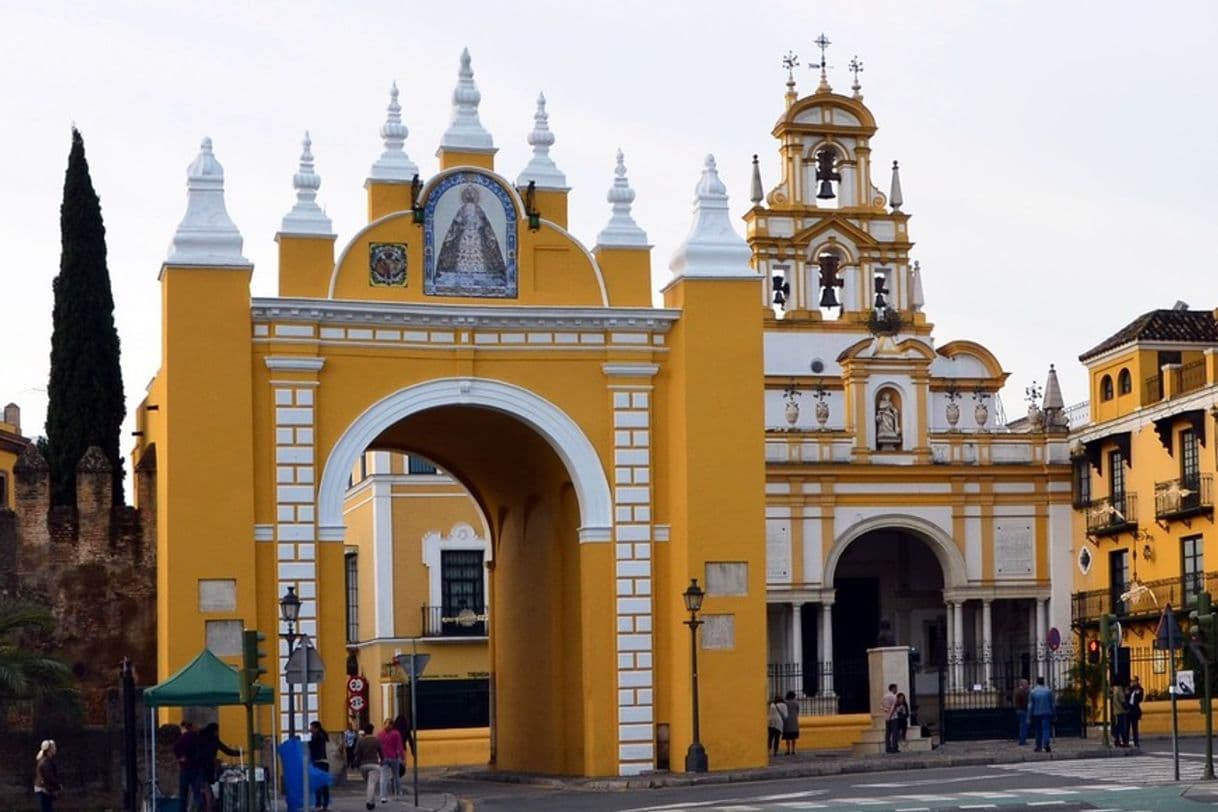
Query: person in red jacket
(392, 754)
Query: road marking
(1046, 803)
(978, 806)
(928, 781)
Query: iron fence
(1180, 591)
(822, 688)
(1112, 514)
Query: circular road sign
(1055, 639)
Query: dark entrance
(856, 619)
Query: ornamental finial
(306, 217)
(465, 133)
(895, 200)
(207, 235)
(712, 248)
(756, 194)
(541, 170)
(790, 61)
(394, 163)
(621, 231)
(856, 67)
(823, 43)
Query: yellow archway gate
(615, 448)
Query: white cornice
(295, 363)
(651, 319)
(631, 370)
(1200, 399)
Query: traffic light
(1093, 651)
(251, 664)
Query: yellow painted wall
(715, 494)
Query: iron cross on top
(823, 43)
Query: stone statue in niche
(887, 423)
(885, 636)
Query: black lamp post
(289, 610)
(695, 757)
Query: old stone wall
(95, 567)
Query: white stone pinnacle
(306, 217)
(206, 235)
(465, 133)
(621, 231)
(1053, 392)
(916, 299)
(712, 248)
(541, 169)
(394, 164)
(895, 199)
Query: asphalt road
(1143, 782)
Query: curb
(812, 770)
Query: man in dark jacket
(188, 771)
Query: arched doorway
(507, 447)
(888, 590)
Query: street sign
(413, 664)
(1055, 639)
(304, 664)
(1184, 683)
(1118, 634)
(1168, 635)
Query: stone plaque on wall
(218, 595)
(224, 637)
(1014, 549)
(778, 551)
(718, 632)
(727, 578)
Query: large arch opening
(888, 587)
(532, 479)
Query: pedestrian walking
(1133, 698)
(188, 771)
(902, 712)
(790, 723)
(46, 778)
(318, 739)
(402, 725)
(1120, 711)
(1041, 708)
(775, 715)
(350, 737)
(392, 754)
(367, 760)
(888, 709)
(207, 747)
(1020, 700)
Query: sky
(1059, 160)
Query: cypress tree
(86, 388)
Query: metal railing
(439, 621)
(1192, 376)
(1152, 389)
(1178, 498)
(1181, 592)
(1111, 515)
(822, 688)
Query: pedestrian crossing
(1146, 770)
(1038, 798)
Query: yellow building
(465, 325)
(1143, 479)
(900, 505)
(11, 446)
(417, 560)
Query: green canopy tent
(204, 681)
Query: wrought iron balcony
(1181, 592)
(447, 621)
(1182, 498)
(1112, 515)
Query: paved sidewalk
(818, 763)
(349, 797)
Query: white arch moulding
(559, 430)
(951, 560)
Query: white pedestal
(885, 666)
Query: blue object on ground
(291, 757)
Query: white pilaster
(382, 555)
(958, 622)
(1041, 608)
(797, 634)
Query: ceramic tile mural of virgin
(469, 238)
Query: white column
(987, 642)
(950, 627)
(797, 634)
(382, 557)
(958, 621)
(826, 649)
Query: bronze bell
(782, 289)
(828, 297)
(826, 174)
(826, 191)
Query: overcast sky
(1059, 159)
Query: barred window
(352, 578)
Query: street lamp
(289, 611)
(695, 757)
